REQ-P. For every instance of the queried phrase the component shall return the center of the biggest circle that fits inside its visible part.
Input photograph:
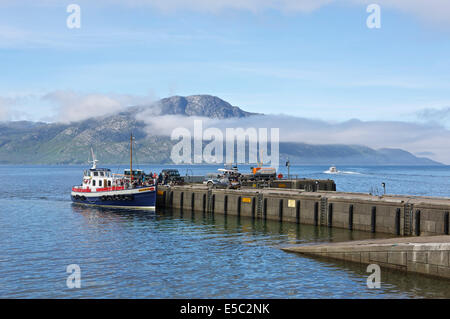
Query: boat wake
(341, 172)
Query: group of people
(163, 179)
(138, 180)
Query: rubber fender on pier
(350, 217)
(373, 219)
(316, 213)
(417, 223)
(446, 223)
(397, 221)
(330, 215)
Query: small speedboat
(132, 189)
(332, 170)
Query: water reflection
(242, 256)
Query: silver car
(219, 181)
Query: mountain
(24, 142)
(197, 105)
(301, 153)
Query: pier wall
(399, 215)
(424, 255)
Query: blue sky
(310, 59)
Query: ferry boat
(132, 189)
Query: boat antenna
(94, 161)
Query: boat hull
(144, 198)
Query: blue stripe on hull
(145, 200)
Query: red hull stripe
(106, 189)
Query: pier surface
(428, 255)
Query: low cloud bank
(4, 110)
(430, 139)
(71, 106)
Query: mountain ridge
(26, 142)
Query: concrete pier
(424, 255)
(398, 215)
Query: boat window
(109, 183)
(102, 174)
(93, 182)
(99, 183)
(95, 173)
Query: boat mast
(94, 160)
(131, 157)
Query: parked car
(171, 176)
(214, 180)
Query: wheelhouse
(98, 178)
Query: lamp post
(288, 164)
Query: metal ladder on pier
(408, 219)
(323, 211)
(259, 206)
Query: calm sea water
(168, 254)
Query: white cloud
(435, 114)
(9, 107)
(434, 11)
(430, 10)
(416, 138)
(197, 5)
(4, 109)
(72, 106)
(218, 5)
